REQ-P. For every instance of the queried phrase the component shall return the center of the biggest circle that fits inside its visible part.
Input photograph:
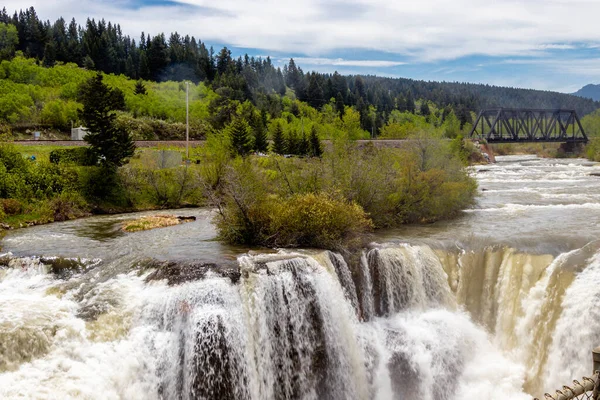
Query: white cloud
(346, 63)
(426, 30)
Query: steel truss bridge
(519, 125)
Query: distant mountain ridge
(590, 91)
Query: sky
(539, 44)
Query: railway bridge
(521, 125)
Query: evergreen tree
(88, 63)
(129, 67)
(303, 145)
(410, 103)
(315, 149)
(144, 71)
(140, 88)
(278, 145)
(259, 132)
(239, 134)
(50, 54)
(292, 142)
(424, 109)
(339, 105)
(110, 143)
(314, 92)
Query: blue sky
(541, 44)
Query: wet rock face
(179, 272)
(64, 268)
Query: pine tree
(88, 63)
(140, 88)
(49, 54)
(239, 134)
(259, 132)
(144, 71)
(292, 142)
(303, 145)
(424, 109)
(315, 149)
(410, 103)
(339, 105)
(315, 92)
(278, 145)
(110, 143)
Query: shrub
(68, 205)
(317, 220)
(251, 213)
(78, 155)
(11, 206)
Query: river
(500, 303)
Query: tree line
(102, 46)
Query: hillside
(222, 83)
(590, 91)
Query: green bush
(68, 205)
(11, 206)
(304, 220)
(78, 155)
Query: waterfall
(399, 322)
(405, 277)
(577, 330)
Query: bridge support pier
(570, 147)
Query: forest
(222, 83)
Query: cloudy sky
(542, 44)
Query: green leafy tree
(110, 142)
(278, 146)
(8, 40)
(239, 134)
(314, 143)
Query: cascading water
(457, 310)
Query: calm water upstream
(500, 303)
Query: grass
(151, 222)
(40, 151)
(545, 150)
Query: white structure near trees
(78, 133)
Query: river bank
(258, 197)
(495, 304)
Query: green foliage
(8, 40)
(165, 188)
(59, 113)
(110, 143)
(78, 155)
(259, 132)
(267, 200)
(278, 145)
(314, 144)
(140, 88)
(248, 214)
(68, 205)
(240, 137)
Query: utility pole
(187, 121)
